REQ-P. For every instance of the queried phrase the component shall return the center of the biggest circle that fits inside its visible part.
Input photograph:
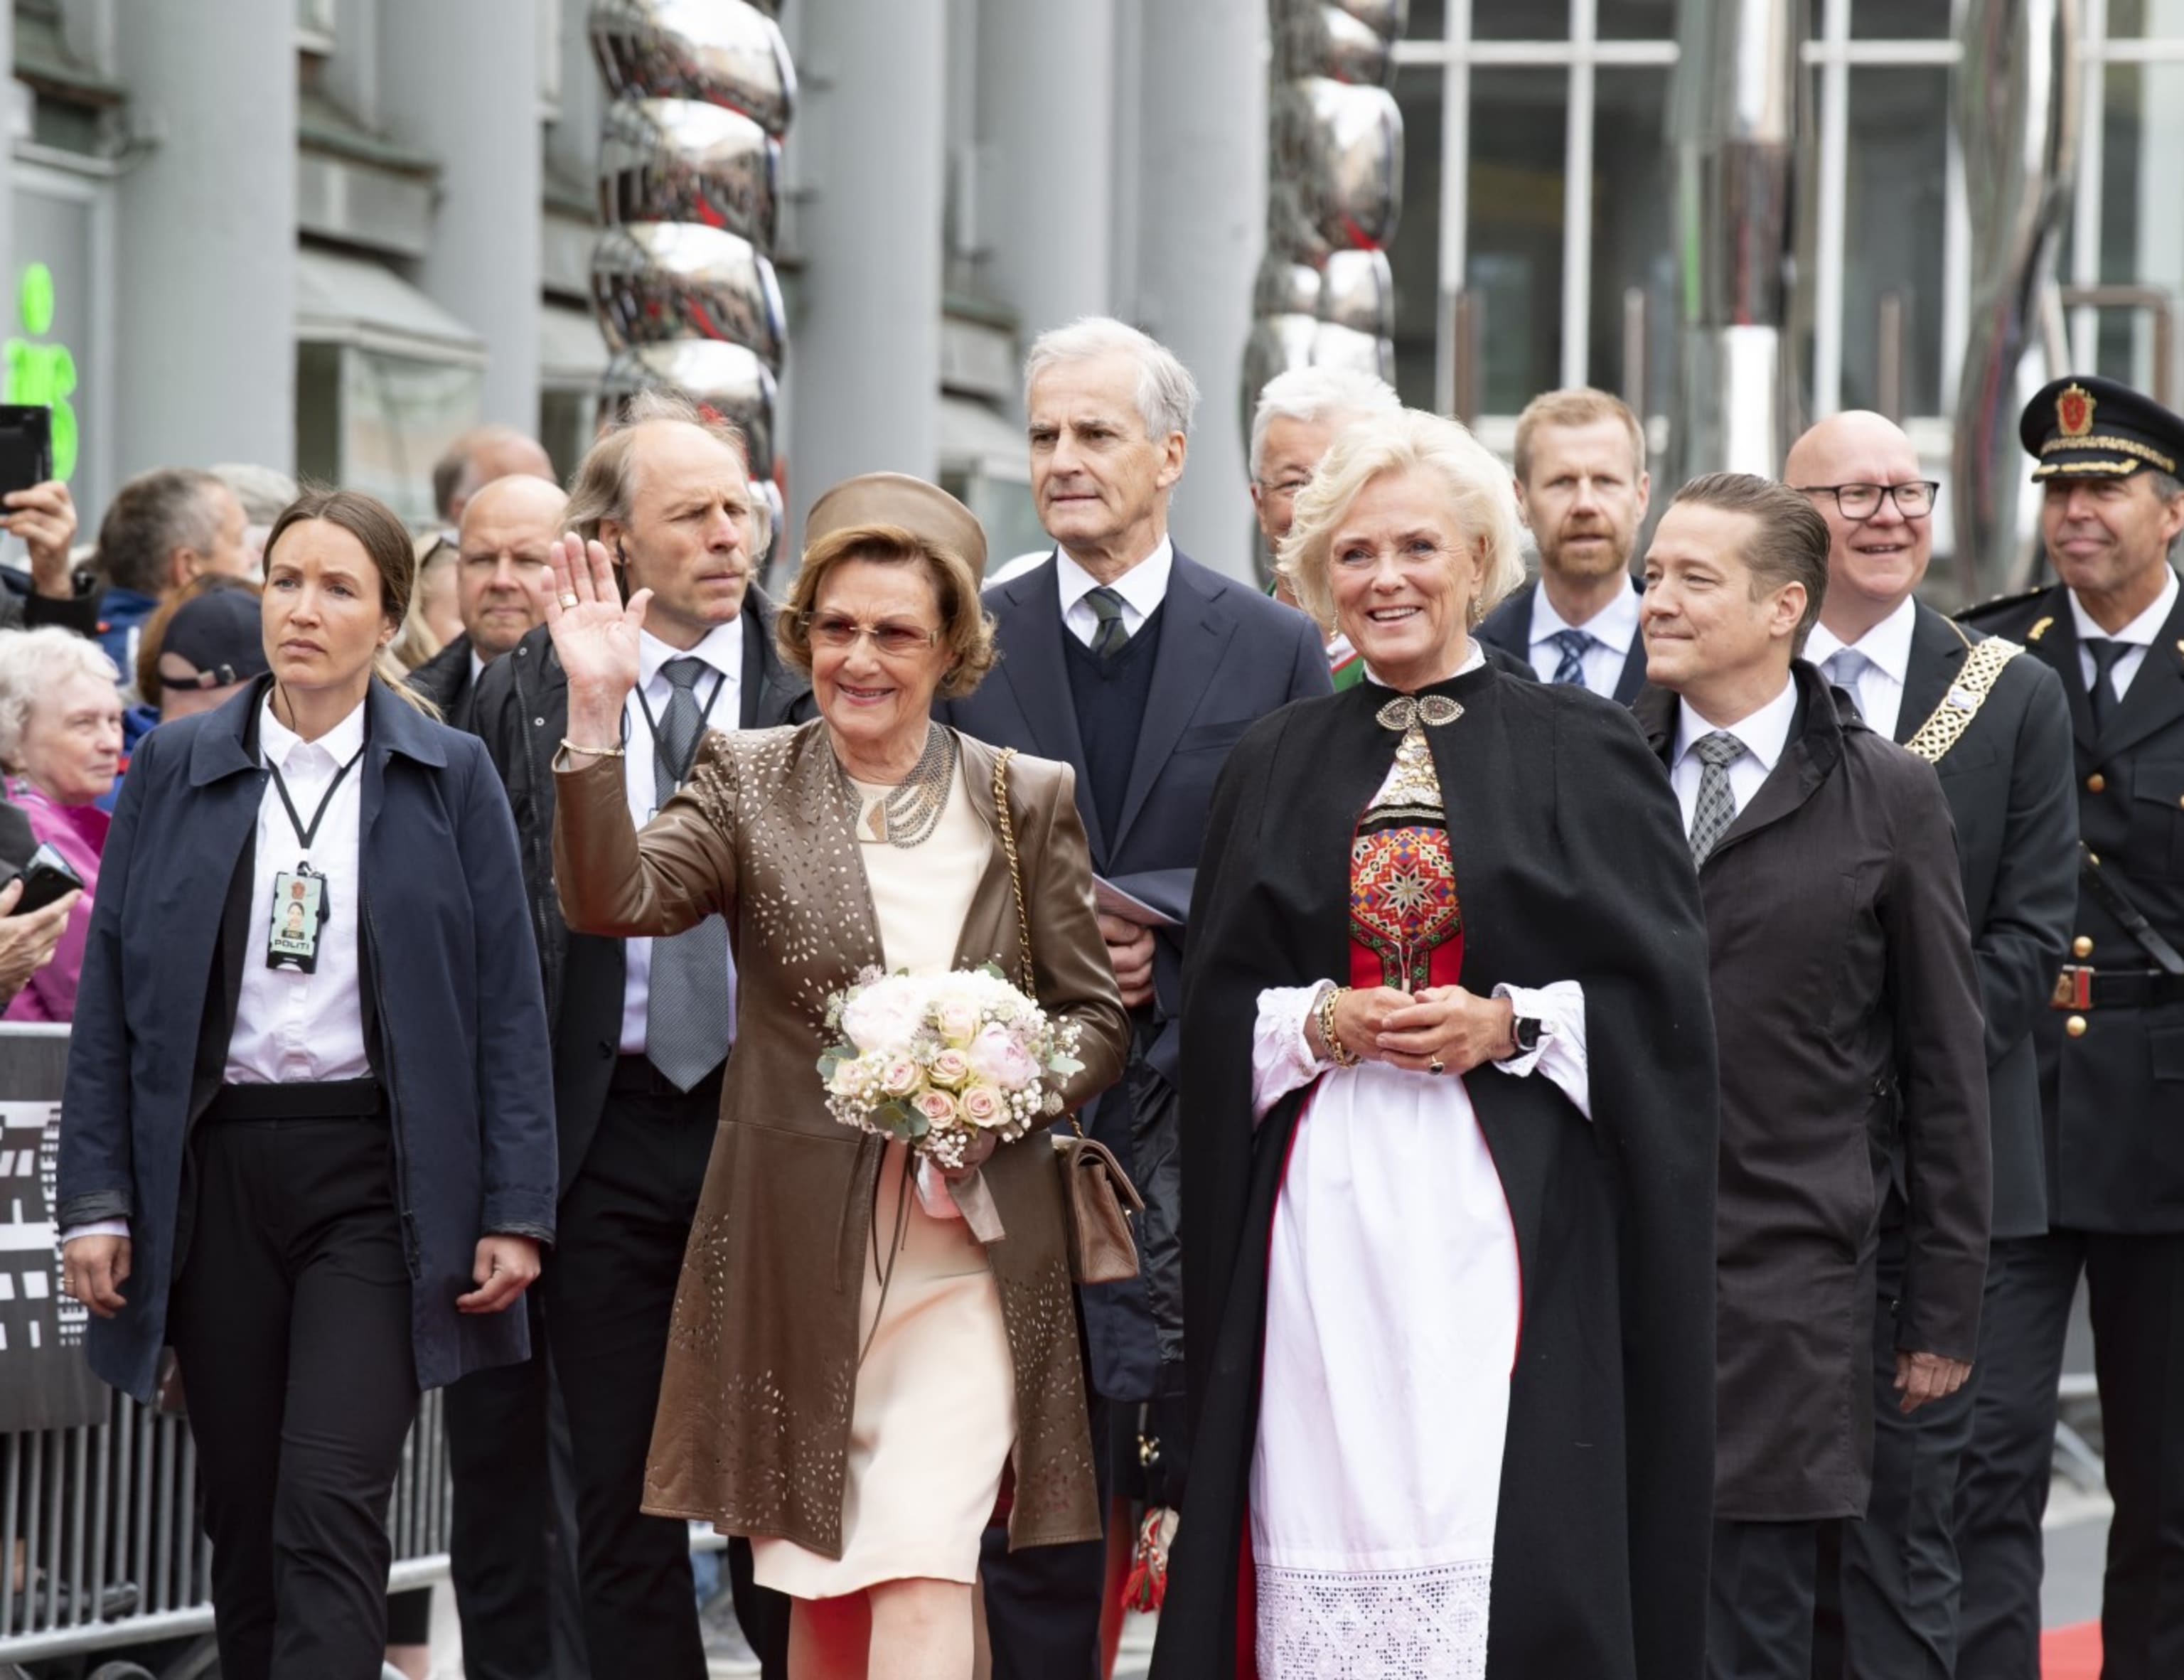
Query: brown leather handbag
(1097, 1196)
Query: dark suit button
(2081, 946)
(2095, 783)
(606, 1051)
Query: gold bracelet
(568, 745)
(1337, 1052)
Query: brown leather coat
(754, 1422)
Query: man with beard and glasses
(1582, 486)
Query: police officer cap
(924, 510)
(2086, 427)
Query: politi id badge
(301, 907)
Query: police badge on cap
(2086, 427)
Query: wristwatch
(1524, 1031)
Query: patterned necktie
(1574, 644)
(1111, 636)
(2103, 695)
(686, 1025)
(1716, 808)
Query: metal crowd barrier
(84, 1511)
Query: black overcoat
(1571, 864)
(455, 1022)
(1846, 1003)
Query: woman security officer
(314, 1153)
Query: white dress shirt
(1611, 629)
(723, 649)
(2137, 635)
(1764, 733)
(1879, 687)
(292, 1028)
(1143, 588)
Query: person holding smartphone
(323, 1171)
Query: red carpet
(2072, 1653)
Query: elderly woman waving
(850, 1368)
(1449, 1178)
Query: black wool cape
(1570, 863)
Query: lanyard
(677, 774)
(280, 786)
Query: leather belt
(2078, 987)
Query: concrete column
(205, 279)
(461, 82)
(1046, 81)
(1202, 226)
(864, 351)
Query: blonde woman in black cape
(1448, 1179)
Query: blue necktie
(1574, 644)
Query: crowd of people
(1626, 1069)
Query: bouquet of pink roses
(933, 1059)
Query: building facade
(329, 234)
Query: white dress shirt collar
(278, 743)
(1474, 656)
(1612, 626)
(2142, 630)
(1764, 733)
(722, 648)
(1887, 644)
(1143, 588)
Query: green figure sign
(43, 374)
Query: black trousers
(1894, 1576)
(1759, 1601)
(1043, 1603)
(291, 1321)
(2136, 1286)
(610, 1293)
(511, 1547)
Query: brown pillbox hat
(897, 498)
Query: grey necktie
(1716, 808)
(1111, 635)
(1574, 644)
(687, 1026)
(2103, 695)
(1844, 668)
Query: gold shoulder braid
(1954, 715)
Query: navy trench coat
(460, 1044)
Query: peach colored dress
(935, 1415)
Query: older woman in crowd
(1449, 1178)
(60, 743)
(850, 1368)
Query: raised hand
(595, 636)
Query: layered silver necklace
(911, 810)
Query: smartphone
(46, 877)
(27, 446)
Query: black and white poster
(44, 1381)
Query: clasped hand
(1414, 1030)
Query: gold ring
(568, 599)
(1437, 1066)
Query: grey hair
(32, 662)
(152, 516)
(1317, 394)
(2168, 487)
(264, 491)
(1168, 396)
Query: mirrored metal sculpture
(2015, 97)
(682, 276)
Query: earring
(1474, 613)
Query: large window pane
(2146, 20)
(2142, 211)
(1415, 256)
(1429, 20)
(1633, 220)
(1636, 21)
(1514, 266)
(1520, 19)
(1894, 19)
(1894, 228)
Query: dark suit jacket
(17, 842)
(2009, 784)
(2111, 1094)
(445, 680)
(1847, 1006)
(1227, 656)
(521, 709)
(1509, 627)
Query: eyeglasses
(1914, 500)
(839, 632)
